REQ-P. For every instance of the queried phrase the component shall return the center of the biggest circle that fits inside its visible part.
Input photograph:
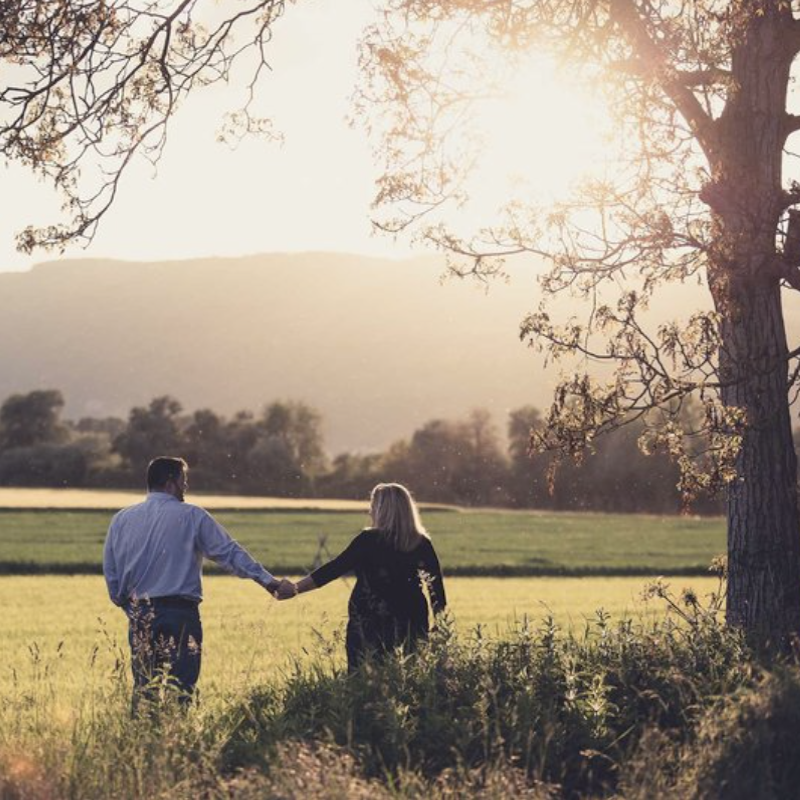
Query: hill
(379, 346)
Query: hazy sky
(311, 193)
(314, 191)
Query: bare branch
(90, 85)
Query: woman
(391, 559)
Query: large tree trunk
(763, 524)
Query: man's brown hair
(163, 469)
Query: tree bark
(763, 523)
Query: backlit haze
(313, 192)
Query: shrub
(743, 747)
(565, 710)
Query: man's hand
(282, 589)
(286, 590)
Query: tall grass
(661, 708)
(568, 711)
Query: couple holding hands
(152, 563)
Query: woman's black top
(387, 604)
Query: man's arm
(218, 545)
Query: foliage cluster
(281, 452)
(679, 708)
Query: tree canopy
(32, 419)
(695, 189)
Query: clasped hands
(284, 589)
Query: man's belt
(166, 601)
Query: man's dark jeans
(166, 641)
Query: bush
(745, 747)
(565, 710)
(44, 465)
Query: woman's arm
(335, 568)
(305, 585)
(345, 562)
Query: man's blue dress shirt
(156, 549)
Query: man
(152, 563)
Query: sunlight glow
(543, 136)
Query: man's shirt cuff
(265, 579)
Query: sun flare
(543, 135)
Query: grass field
(65, 730)
(468, 542)
(60, 635)
(62, 632)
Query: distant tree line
(281, 452)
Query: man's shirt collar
(160, 496)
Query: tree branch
(711, 76)
(99, 81)
(791, 123)
(626, 15)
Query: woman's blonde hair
(395, 513)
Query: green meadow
(469, 542)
